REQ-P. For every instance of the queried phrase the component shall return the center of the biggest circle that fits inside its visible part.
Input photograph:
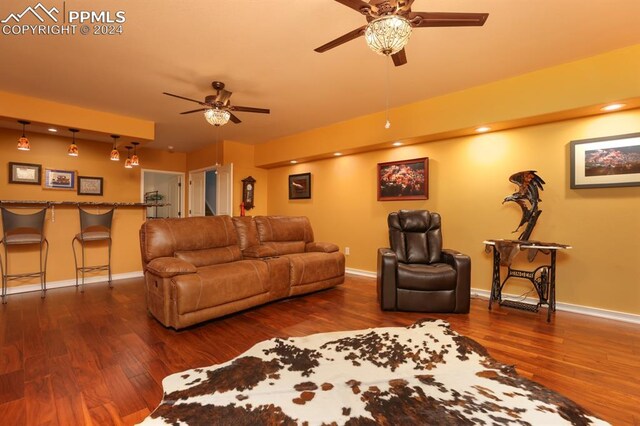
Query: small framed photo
(59, 179)
(606, 162)
(25, 173)
(403, 180)
(89, 185)
(300, 186)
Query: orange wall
(120, 185)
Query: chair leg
(75, 258)
(109, 265)
(82, 268)
(44, 270)
(4, 283)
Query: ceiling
(263, 51)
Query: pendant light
(23, 142)
(127, 162)
(73, 148)
(134, 158)
(115, 154)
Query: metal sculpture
(527, 197)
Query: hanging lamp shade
(388, 34)
(135, 161)
(73, 148)
(217, 117)
(115, 154)
(23, 142)
(127, 162)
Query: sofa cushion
(284, 228)
(212, 256)
(219, 284)
(307, 268)
(437, 276)
(247, 231)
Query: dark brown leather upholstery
(205, 267)
(416, 273)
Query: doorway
(164, 188)
(210, 191)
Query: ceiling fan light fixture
(217, 117)
(388, 34)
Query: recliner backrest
(415, 236)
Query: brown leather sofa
(417, 274)
(201, 268)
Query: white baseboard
(72, 282)
(560, 306)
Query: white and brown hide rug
(424, 374)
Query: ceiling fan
(389, 24)
(217, 108)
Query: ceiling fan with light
(217, 108)
(389, 25)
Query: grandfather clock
(248, 191)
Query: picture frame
(300, 186)
(612, 161)
(59, 179)
(403, 180)
(26, 173)
(90, 185)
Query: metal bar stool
(23, 229)
(93, 227)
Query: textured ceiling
(263, 51)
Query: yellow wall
(120, 185)
(468, 178)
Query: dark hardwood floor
(97, 358)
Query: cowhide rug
(424, 374)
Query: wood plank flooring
(98, 359)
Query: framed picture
(403, 180)
(606, 162)
(25, 173)
(300, 186)
(89, 185)
(59, 179)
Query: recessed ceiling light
(612, 107)
(337, 154)
(293, 162)
(51, 129)
(397, 144)
(483, 129)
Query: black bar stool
(23, 229)
(93, 227)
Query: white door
(224, 193)
(196, 193)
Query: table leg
(495, 278)
(552, 287)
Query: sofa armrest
(462, 264)
(257, 252)
(167, 267)
(386, 279)
(321, 247)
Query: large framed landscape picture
(606, 162)
(403, 180)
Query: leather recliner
(416, 273)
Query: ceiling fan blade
(399, 58)
(249, 109)
(234, 119)
(223, 97)
(194, 110)
(186, 99)
(359, 6)
(447, 19)
(342, 39)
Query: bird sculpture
(527, 197)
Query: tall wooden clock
(248, 192)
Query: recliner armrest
(321, 247)
(386, 278)
(257, 252)
(167, 267)
(462, 264)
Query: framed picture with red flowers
(404, 180)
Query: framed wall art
(89, 185)
(25, 173)
(606, 162)
(403, 180)
(59, 179)
(300, 186)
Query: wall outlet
(347, 252)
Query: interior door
(196, 193)
(224, 193)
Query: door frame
(208, 169)
(181, 208)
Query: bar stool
(93, 227)
(23, 229)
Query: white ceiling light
(612, 107)
(388, 34)
(217, 117)
(483, 129)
